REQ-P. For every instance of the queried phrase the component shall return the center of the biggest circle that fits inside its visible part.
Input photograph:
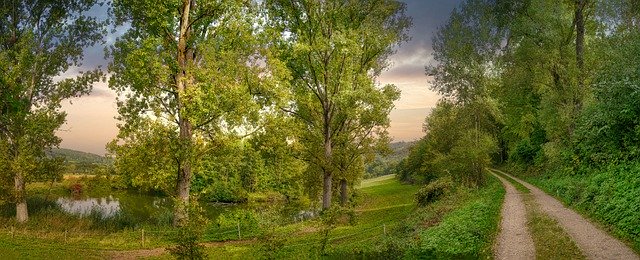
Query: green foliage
(191, 78)
(40, 41)
(143, 160)
(434, 191)
(609, 130)
(385, 164)
(334, 51)
(467, 232)
(454, 145)
(76, 162)
(226, 226)
(187, 245)
(188, 236)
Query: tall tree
(467, 51)
(334, 50)
(39, 40)
(191, 66)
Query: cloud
(90, 124)
(101, 90)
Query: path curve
(514, 240)
(594, 242)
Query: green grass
(468, 230)
(551, 241)
(20, 247)
(386, 202)
(388, 225)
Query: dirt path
(594, 243)
(514, 240)
(144, 253)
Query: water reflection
(158, 210)
(105, 206)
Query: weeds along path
(514, 240)
(594, 242)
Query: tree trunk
(22, 215)
(326, 190)
(343, 192)
(328, 154)
(328, 175)
(580, 5)
(184, 179)
(184, 172)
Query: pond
(158, 210)
(139, 207)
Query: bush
(226, 226)
(433, 191)
(187, 245)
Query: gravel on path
(514, 240)
(594, 242)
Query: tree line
(218, 97)
(539, 85)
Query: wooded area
(547, 88)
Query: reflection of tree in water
(106, 206)
(141, 208)
(144, 208)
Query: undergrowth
(466, 232)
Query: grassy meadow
(386, 223)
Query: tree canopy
(40, 41)
(334, 51)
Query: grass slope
(468, 231)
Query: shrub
(76, 189)
(226, 226)
(187, 245)
(610, 194)
(433, 191)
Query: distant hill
(401, 149)
(383, 165)
(73, 156)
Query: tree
(39, 40)
(462, 131)
(334, 50)
(194, 67)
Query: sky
(91, 119)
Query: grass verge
(468, 231)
